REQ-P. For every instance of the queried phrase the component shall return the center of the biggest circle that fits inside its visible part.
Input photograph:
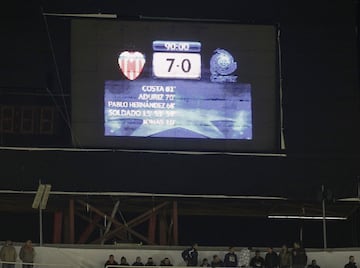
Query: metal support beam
(101, 227)
(152, 228)
(324, 215)
(175, 224)
(89, 229)
(108, 226)
(58, 218)
(115, 222)
(136, 221)
(71, 221)
(162, 228)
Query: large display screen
(175, 85)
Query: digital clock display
(181, 46)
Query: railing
(142, 266)
(38, 265)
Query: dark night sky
(320, 103)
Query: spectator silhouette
(230, 258)
(299, 257)
(123, 261)
(8, 254)
(166, 262)
(190, 255)
(27, 254)
(150, 262)
(205, 263)
(271, 258)
(110, 261)
(313, 264)
(257, 261)
(138, 262)
(217, 262)
(351, 263)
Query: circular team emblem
(222, 63)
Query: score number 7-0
(185, 65)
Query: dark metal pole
(324, 216)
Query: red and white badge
(131, 63)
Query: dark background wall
(319, 68)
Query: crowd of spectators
(8, 254)
(295, 257)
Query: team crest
(131, 64)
